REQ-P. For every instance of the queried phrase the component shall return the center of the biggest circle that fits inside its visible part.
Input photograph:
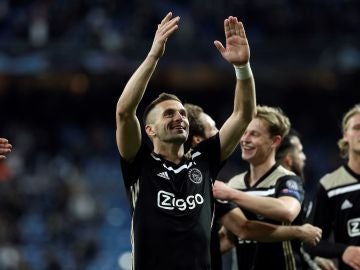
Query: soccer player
(171, 193)
(267, 192)
(202, 127)
(290, 153)
(5, 148)
(291, 156)
(337, 207)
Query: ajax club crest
(195, 176)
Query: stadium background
(63, 64)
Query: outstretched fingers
(227, 28)
(237, 27)
(165, 29)
(233, 22)
(166, 18)
(241, 30)
(219, 46)
(170, 26)
(231, 26)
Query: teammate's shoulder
(338, 177)
(283, 171)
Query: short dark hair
(196, 127)
(162, 97)
(286, 145)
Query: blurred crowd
(103, 35)
(60, 201)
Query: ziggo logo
(167, 200)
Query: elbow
(288, 216)
(122, 112)
(242, 231)
(288, 211)
(120, 109)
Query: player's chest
(176, 189)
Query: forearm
(135, 87)
(128, 134)
(266, 232)
(245, 97)
(226, 240)
(244, 105)
(236, 223)
(272, 208)
(243, 112)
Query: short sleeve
(290, 185)
(131, 169)
(211, 148)
(222, 208)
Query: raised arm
(5, 148)
(284, 208)
(237, 52)
(128, 133)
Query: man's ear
(276, 141)
(149, 129)
(287, 161)
(195, 140)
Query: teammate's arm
(283, 209)
(128, 133)
(236, 222)
(237, 52)
(227, 240)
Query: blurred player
(337, 208)
(291, 156)
(201, 127)
(267, 192)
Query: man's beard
(298, 171)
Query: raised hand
(5, 147)
(237, 50)
(165, 29)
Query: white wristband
(243, 72)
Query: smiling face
(257, 144)
(167, 122)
